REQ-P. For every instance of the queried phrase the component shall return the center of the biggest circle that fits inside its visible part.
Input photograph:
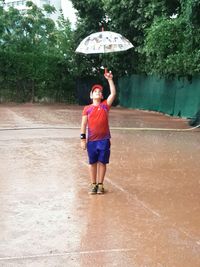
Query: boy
(95, 116)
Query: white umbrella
(103, 42)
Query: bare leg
(101, 172)
(93, 172)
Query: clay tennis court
(149, 216)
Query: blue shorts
(98, 151)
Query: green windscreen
(173, 97)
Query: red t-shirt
(97, 116)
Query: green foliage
(30, 77)
(36, 55)
(90, 14)
(172, 46)
(130, 18)
(26, 32)
(140, 15)
(165, 35)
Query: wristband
(83, 136)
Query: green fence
(173, 97)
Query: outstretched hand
(108, 75)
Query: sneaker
(93, 189)
(100, 189)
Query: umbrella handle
(105, 70)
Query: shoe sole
(100, 193)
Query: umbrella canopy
(103, 42)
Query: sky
(69, 11)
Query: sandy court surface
(149, 216)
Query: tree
(172, 45)
(140, 15)
(130, 18)
(28, 32)
(89, 13)
(37, 54)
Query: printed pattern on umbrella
(104, 42)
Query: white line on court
(135, 198)
(67, 253)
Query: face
(97, 94)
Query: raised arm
(112, 94)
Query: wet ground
(149, 216)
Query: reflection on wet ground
(149, 216)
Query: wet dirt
(149, 216)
